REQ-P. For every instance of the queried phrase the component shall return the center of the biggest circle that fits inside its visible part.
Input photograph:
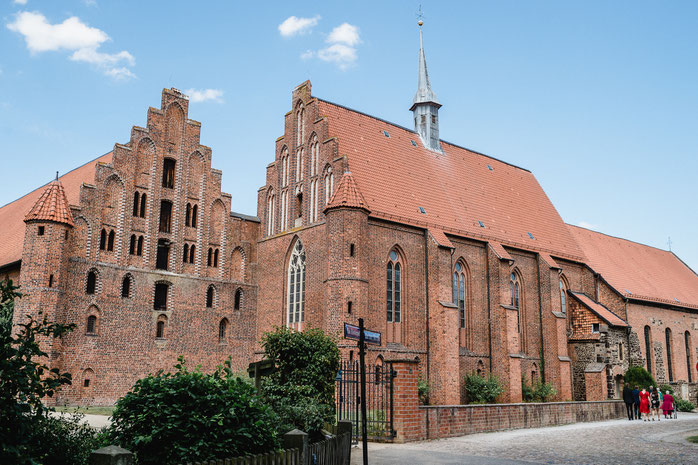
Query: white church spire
(425, 105)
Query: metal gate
(379, 399)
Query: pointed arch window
(669, 355)
(284, 210)
(222, 330)
(515, 294)
(187, 216)
(314, 155)
(160, 327)
(209, 261)
(689, 365)
(139, 247)
(300, 124)
(284, 168)
(91, 285)
(110, 241)
(126, 286)
(132, 245)
(136, 203)
(295, 312)
(394, 287)
(141, 213)
(648, 348)
(194, 215)
(459, 291)
(192, 253)
(185, 255)
(210, 295)
(299, 165)
(313, 200)
(329, 185)
(271, 212)
(563, 297)
(215, 258)
(103, 239)
(238, 299)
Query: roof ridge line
(415, 132)
(629, 240)
(66, 173)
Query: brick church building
(459, 259)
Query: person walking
(636, 402)
(629, 401)
(645, 404)
(668, 405)
(654, 403)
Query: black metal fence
(379, 399)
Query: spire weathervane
(420, 16)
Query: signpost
(364, 336)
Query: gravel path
(608, 442)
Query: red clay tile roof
(441, 238)
(457, 189)
(601, 311)
(12, 215)
(347, 195)
(51, 206)
(638, 271)
(549, 260)
(500, 251)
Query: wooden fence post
(297, 439)
(111, 455)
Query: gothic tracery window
(515, 294)
(563, 297)
(459, 291)
(295, 311)
(393, 274)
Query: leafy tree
(301, 390)
(482, 390)
(638, 376)
(25, 379)
(190, 416)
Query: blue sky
(598, 99)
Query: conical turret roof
(51, 206)
(347, 195)
(424, 93)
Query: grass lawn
(86, 410)
(692, 439)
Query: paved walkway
(607, 442)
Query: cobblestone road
(609, 442)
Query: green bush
(684, 405)
(638, 376)
(423, 390)
(25, 379)
(481, 390)
(537, 391)
(189, 416)
(301, 390)
(64, 440)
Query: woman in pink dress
(645, 404)
(668, 405)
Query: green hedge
(482, 390)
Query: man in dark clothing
(636, 402)
(629, 401)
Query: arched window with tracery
(515, 297)
(563, 296)
(459, 291)
(295, 310)
(393, 295)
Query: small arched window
(284, 168)
(160, 327)
(459, 291)
(187, 216)
(110, 243)
(136, 203)
(394, 287)
(192, 253)
(139, 249)
(185, 255)
(313, 200)
(222, 330)
(329, 185)
(209, 261)
(515, 294)
(132, 245)
(271, 212)
(194, 216)
(238, 299)
(284, 210)
(669, 355)
(142, 212)
(91, 324)
(91, 286)
(210, 294)
(300, 124)
(103, 240)
(296, 286)
(314, 155)
(563, 297)
(126, 286)
(215, 258)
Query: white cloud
(20, 2)
(346, 34)
(297, 26)
(204, 95)
(89, 2)
(584, 224)
(340, 54)
(72, 35)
